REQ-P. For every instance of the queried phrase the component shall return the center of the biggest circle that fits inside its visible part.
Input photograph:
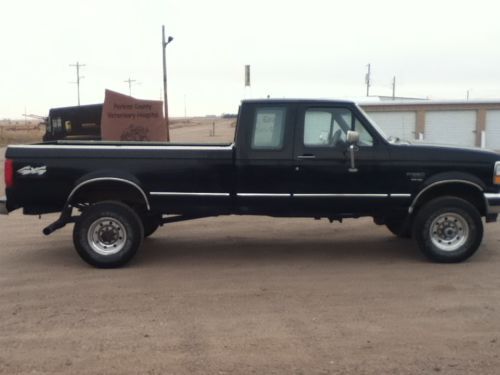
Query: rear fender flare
(84, 182)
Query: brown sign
(128, 119)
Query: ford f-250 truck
(290, 158)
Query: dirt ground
(247, 295)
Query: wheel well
(106, 190)
(467, 192)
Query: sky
(438, 49)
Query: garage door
(451, 127)
(493, 130)
(397, 124)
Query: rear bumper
(3, 206)
(493, 203)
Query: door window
(328, 127)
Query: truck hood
(441, 152)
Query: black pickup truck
(290, 158)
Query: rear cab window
(268, 128)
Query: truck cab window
(269, 128)
(321, 129)
(56, 125)
(327, 127)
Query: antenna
(78, 78)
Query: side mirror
(352, 137)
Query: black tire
(151, 223)
(108, 234)
(448, 230)
(397, 227)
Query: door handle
(306, 156)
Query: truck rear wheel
(448, 229)
(108, 234)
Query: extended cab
(290, 158)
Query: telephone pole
(394, 88)
(368, 80)
(78, 78)
(164, 44)
(129, 81)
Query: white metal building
(463, 123)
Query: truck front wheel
(448, 229)
(108, 234)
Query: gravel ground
(239, 295)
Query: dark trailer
(78, 122)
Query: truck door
(324, 182)
(264, 157)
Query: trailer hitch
(63, 219)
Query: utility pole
(394, 88)
(368, 80)
(78, 78)
(129, 81)
(164, 44)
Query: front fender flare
(443, 180)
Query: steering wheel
(335, 138)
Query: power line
(78, 78)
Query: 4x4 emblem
(29, 170)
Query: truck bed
(52, 170)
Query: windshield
(373, 123)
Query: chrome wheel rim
(107, 236)
(449, 231)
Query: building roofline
(385, 103)
(430, 102)
(296, 100)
